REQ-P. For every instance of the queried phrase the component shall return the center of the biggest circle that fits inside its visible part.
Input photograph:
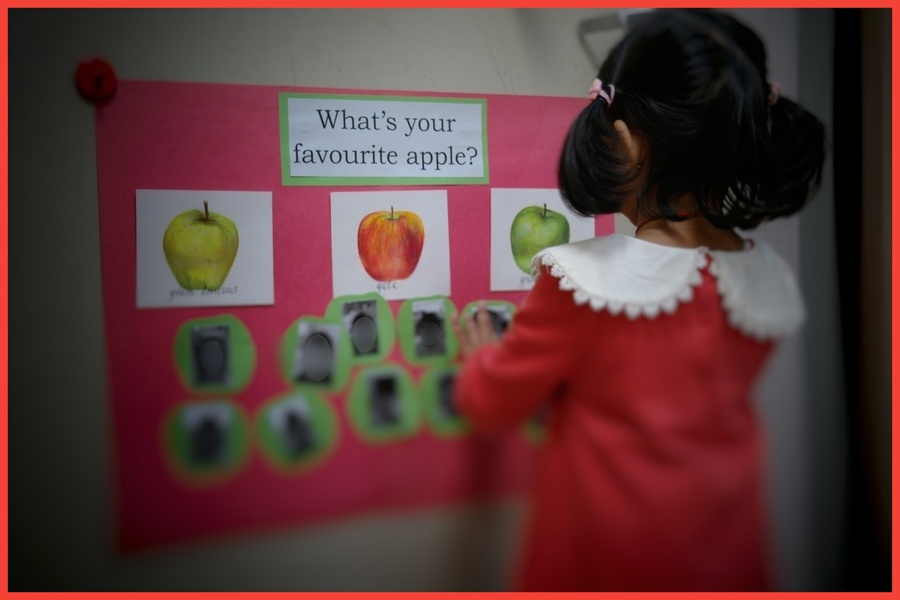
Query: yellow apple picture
(200, 248)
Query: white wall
(60, 452)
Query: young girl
(647, 347)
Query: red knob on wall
(95, 80)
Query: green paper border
(241, 364)
(439, 425)
(386, 337)
(323, 420)
(358, 414)
(406, 334)
(288, 180)
(342, 356)
(174, 446)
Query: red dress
(651, 475)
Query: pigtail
(591, 174)
(798, 141)
(737, 151)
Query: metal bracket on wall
(605, 24)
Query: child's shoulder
(623, 274)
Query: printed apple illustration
(533, 229)
(390, 244)
(200, 247)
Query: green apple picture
(200, 247)
(533, 229)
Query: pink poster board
(181, 136)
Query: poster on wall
(393, 243)
(279, 348)
(524, 222)
(401, 140)
(204, 248)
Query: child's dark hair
(693, 86)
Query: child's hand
(477, 333)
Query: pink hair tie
(774, 93)
(596, 90)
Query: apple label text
(387, 285)
(181, 292)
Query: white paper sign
(368, 139)
(520, 228)
(401, 256)
(189, 254)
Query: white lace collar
(625, 274)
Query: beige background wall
(61, 500)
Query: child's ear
(630, 142)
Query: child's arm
(502, 384)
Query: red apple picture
(390, 244)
